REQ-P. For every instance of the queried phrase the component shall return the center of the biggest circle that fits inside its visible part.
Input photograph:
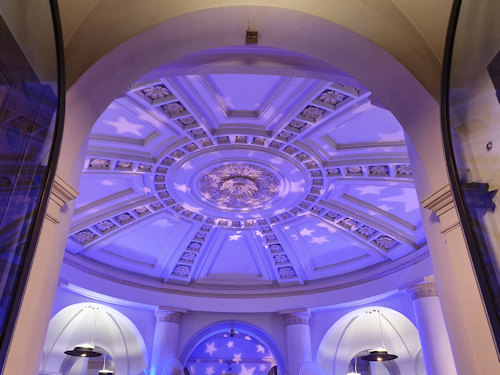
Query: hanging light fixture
(85, 350)
(379, 354)
(104, 371)
(355, 368)
(231, 331)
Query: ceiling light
(104, 371)
(83, 350)
(379, 354)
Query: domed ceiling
(245, 181)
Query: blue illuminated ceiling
(245, 181)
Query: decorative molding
(180, 114)
(297, 317)
(213, 293)
(168, 316)
(440, 202)
(61, 193)
(423, 290)
(239, 185)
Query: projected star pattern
(340, 201)
(222, 354)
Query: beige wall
(411, 31)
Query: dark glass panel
(30, 109)
(471, 128)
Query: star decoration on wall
(210, 348)
(375, 190)
(183, 188)
(319, 240)
(408, 198)
(306, 232)
(245, 354)
(237, 358)
(123, 126)
(247, 371)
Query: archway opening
(110, 333)
(232, 347)
(360, 331)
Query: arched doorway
(110, 332)
(362, 330)
(232, 347)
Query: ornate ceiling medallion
(239, 185)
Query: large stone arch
(392, 85)
(412, 32)
(360, 51)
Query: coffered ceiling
(245, 181)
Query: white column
(470, 335)
(298, 339)
(436, 347)
(165, 341)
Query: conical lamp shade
(379, 355)
(84, 350)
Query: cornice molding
(60, 194)
(441, 201)
(168, 316)
(83, 266)
(296, 317)
(423, 290)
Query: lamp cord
(380, 326)
(93, 331)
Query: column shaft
(436, 347)
(471, 339)
(298, 339)
(165, 340)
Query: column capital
(422, 290)
(296, 317)
(60, 194)
(169, 316)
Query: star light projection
(222, 354)
(256, 188)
